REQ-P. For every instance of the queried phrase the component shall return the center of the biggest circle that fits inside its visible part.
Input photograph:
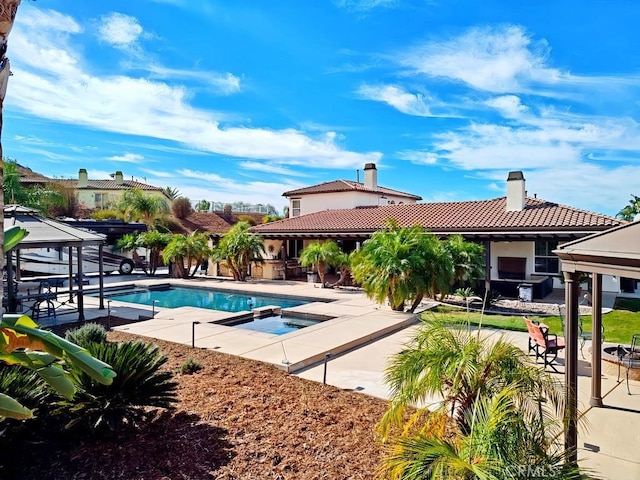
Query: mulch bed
(236, 419)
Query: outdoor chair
(629, 357)
(543, 344)
(582, 335)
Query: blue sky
(231, 101)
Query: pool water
(277, 324)
(173, 297)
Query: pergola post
(101, 276)
(596, 341)
(80, 294)
(572, 282)
(70, 274)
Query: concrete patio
(360, 340)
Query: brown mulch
(236, 419)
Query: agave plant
(140, 383)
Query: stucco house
(519, 232)
(105, 194)
(338, 194)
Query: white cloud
(270, 168)
(50, 82)
(127, 158)
(418, 157)
(501, 59)
(591, 186)
(225, 83)
(409, 103)
(119, 30)
(508, 105)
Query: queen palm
(136, 204)
(401, 264)
(497, 410)
(320, 255)
(238, 247)
(187, 252)
(467, 257)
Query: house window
(295, 207)
(545, 260)
(294, 247)
(98, 200)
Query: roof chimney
(370, 176)
(516, 194)
(118, 178)
(83, 178)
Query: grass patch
(619, 325)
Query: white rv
(55, 261)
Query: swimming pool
(276, 324)
(173, 297)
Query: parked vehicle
(55, 261)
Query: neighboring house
(519, 232)
(340, 194)
(105, 194)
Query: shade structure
(47, 233)
(612, 252)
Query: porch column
(572, 282)
(596, 341)
(487, 265)
(284, 259)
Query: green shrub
(87, 334)
(246, 218)
(190, 366)
(106, 215)
(139, 383)
(181, 207)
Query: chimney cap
(517, 175)
(82, 170)
(370, 166)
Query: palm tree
(238, 248)
(402, 264)
(497, 411)
(171, 192)
(320, 256)
(629, 212)
(135, 204)
(153, 240)
(468, 259)
(185, 252)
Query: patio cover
(44, 233)
(613, 252)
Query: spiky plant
(87, 334)
(141, 383)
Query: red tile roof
(205, 222)
(345, 186)
(107, 184)
(484, 216)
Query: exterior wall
(318, 202)
(110, 198)
(512, 249)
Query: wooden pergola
(47, 233)
(612, 252)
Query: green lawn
(619, 325)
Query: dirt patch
(236, 419)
